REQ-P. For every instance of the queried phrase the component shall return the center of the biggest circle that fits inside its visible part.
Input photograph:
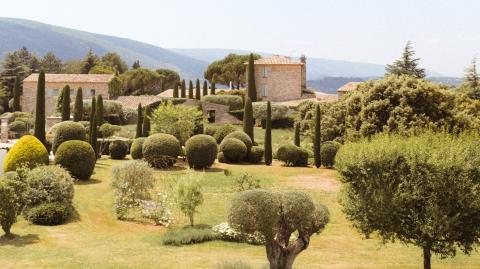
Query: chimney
(303, 60)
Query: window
(264, 72)
(211, 116)
(92, 92)
(264, 91)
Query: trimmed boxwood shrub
(233, 149)
(234, 102)
(136, 148)
(49, 214)
(28, 151)
(161, 150)
(67, 130)
(328, 151)
(201, 151)
(118, 149)
(223, 131)
(221, 158)
(242, 137)
(78, 157)
(255, 155)
(292, 155)
(18, 127)
(211, 129)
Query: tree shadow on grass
(74, 216)
(211, 170)
(88, 182)
(19, 240)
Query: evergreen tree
(92, 115)
(406, 65)
(58, 106)
(99, 111)
(205, 88)
(268, 135)
(190, 90)
(88, 62)
(212, 86)
(94, 136)
(197, 89)
(139, 121)
(175, 90)
(471, 81)
(66, 103)
(316, 142)
(183, 89)
(40, 109)
(16, 95)
(78, 109)
(252, 89)
(297, 134)
(136, 64)
(146, 122)
(248, 118)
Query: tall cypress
(139, 121)
(16, 95)
(252, 89)
(92, 120)
(66, 103)
(183, 89)
(212, 87)
(190, 90)
(197, 90)
(297, 134)
(248, 118)
(99, 110)
(78, 108)
(94, 136)
(205, 88)
(146, 122)
(175, 90)
(268, 135)
(40, 109)
(316, 142)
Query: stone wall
(221, 113)
(284, 82)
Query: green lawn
(98, 240)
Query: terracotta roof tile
(72, 78)
(133, 101)
(277, 60)
(350, 86)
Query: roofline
(46, 81)
(276, 64)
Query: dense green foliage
(233, 150)
(136, 148)
(222, 131)
(316, 139)
(189, 195)
(78, 107)
(49, 213)
(183, 89)
(471, 81)
(161, 150)
(197, 90)
(201, 151)
(170, 78)
(205, 88)
(248, 120)
(268, 135)
(190, 90)
(66, 103)
(229, 69)
(118, 149)
(108, 130)
(278, 111)
(251, 87)
(296, 139)
(40, 109)
(138, 132)
(255, 155)
(16, 95)
(8, 207)
(406, 65)
(99, 111)
(187, 236)
(28, 151)
(77, 157)
(242, 137)
(175, 91)
(67, 130)
(328, 151)
(292, 155)
(146, 122)
(234, 102)
(141, 81)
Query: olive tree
(278, 216)
(420, 190)
(189, 195)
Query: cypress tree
(197, 89)
(66, 103)
(175, 90)
(252, 89)
(297, 134)
(16, 95)
(78, 109)
(248, 118)
(146, 122)
(40, 109)
(183, 89)
(99, 110)
(268, 135)
(205, 88)
(92, 120)
(212, 87)
(190, 90)
(139, 121)
(316, 142)
(94, 136)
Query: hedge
(234, 102)
(292, 155)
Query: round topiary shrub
(67, 130)
(221, 158)
(161, 150)
(210, 130)
(49, 214)
(136, 148)
(242, 137)
(255, 155)
(328, 151)
(18, 127)
(28, 151)
(118, 149)
(233, 149)
(78, 157)
(201, 151)
(223, 131)
(292, 155)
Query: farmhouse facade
(91, 84)
(279, 78)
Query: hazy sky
(445, 33)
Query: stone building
(279, 78)
(91, 85)
(350, 86)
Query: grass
(97, 240)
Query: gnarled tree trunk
(281, 255)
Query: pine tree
(40, 109)
(99, 110)
(406, 65)
(139, 121)
(205, 88)
(66, 103)
(16, 95)
(268, 135)
(190, 90)
(197, 89)
(146, 122)
(88, 62)
(297, 134)
(316, 142)
(175, 90)
(183, 89)
(471, 81)
(252, 89)
(248, 118)
(78, 109)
